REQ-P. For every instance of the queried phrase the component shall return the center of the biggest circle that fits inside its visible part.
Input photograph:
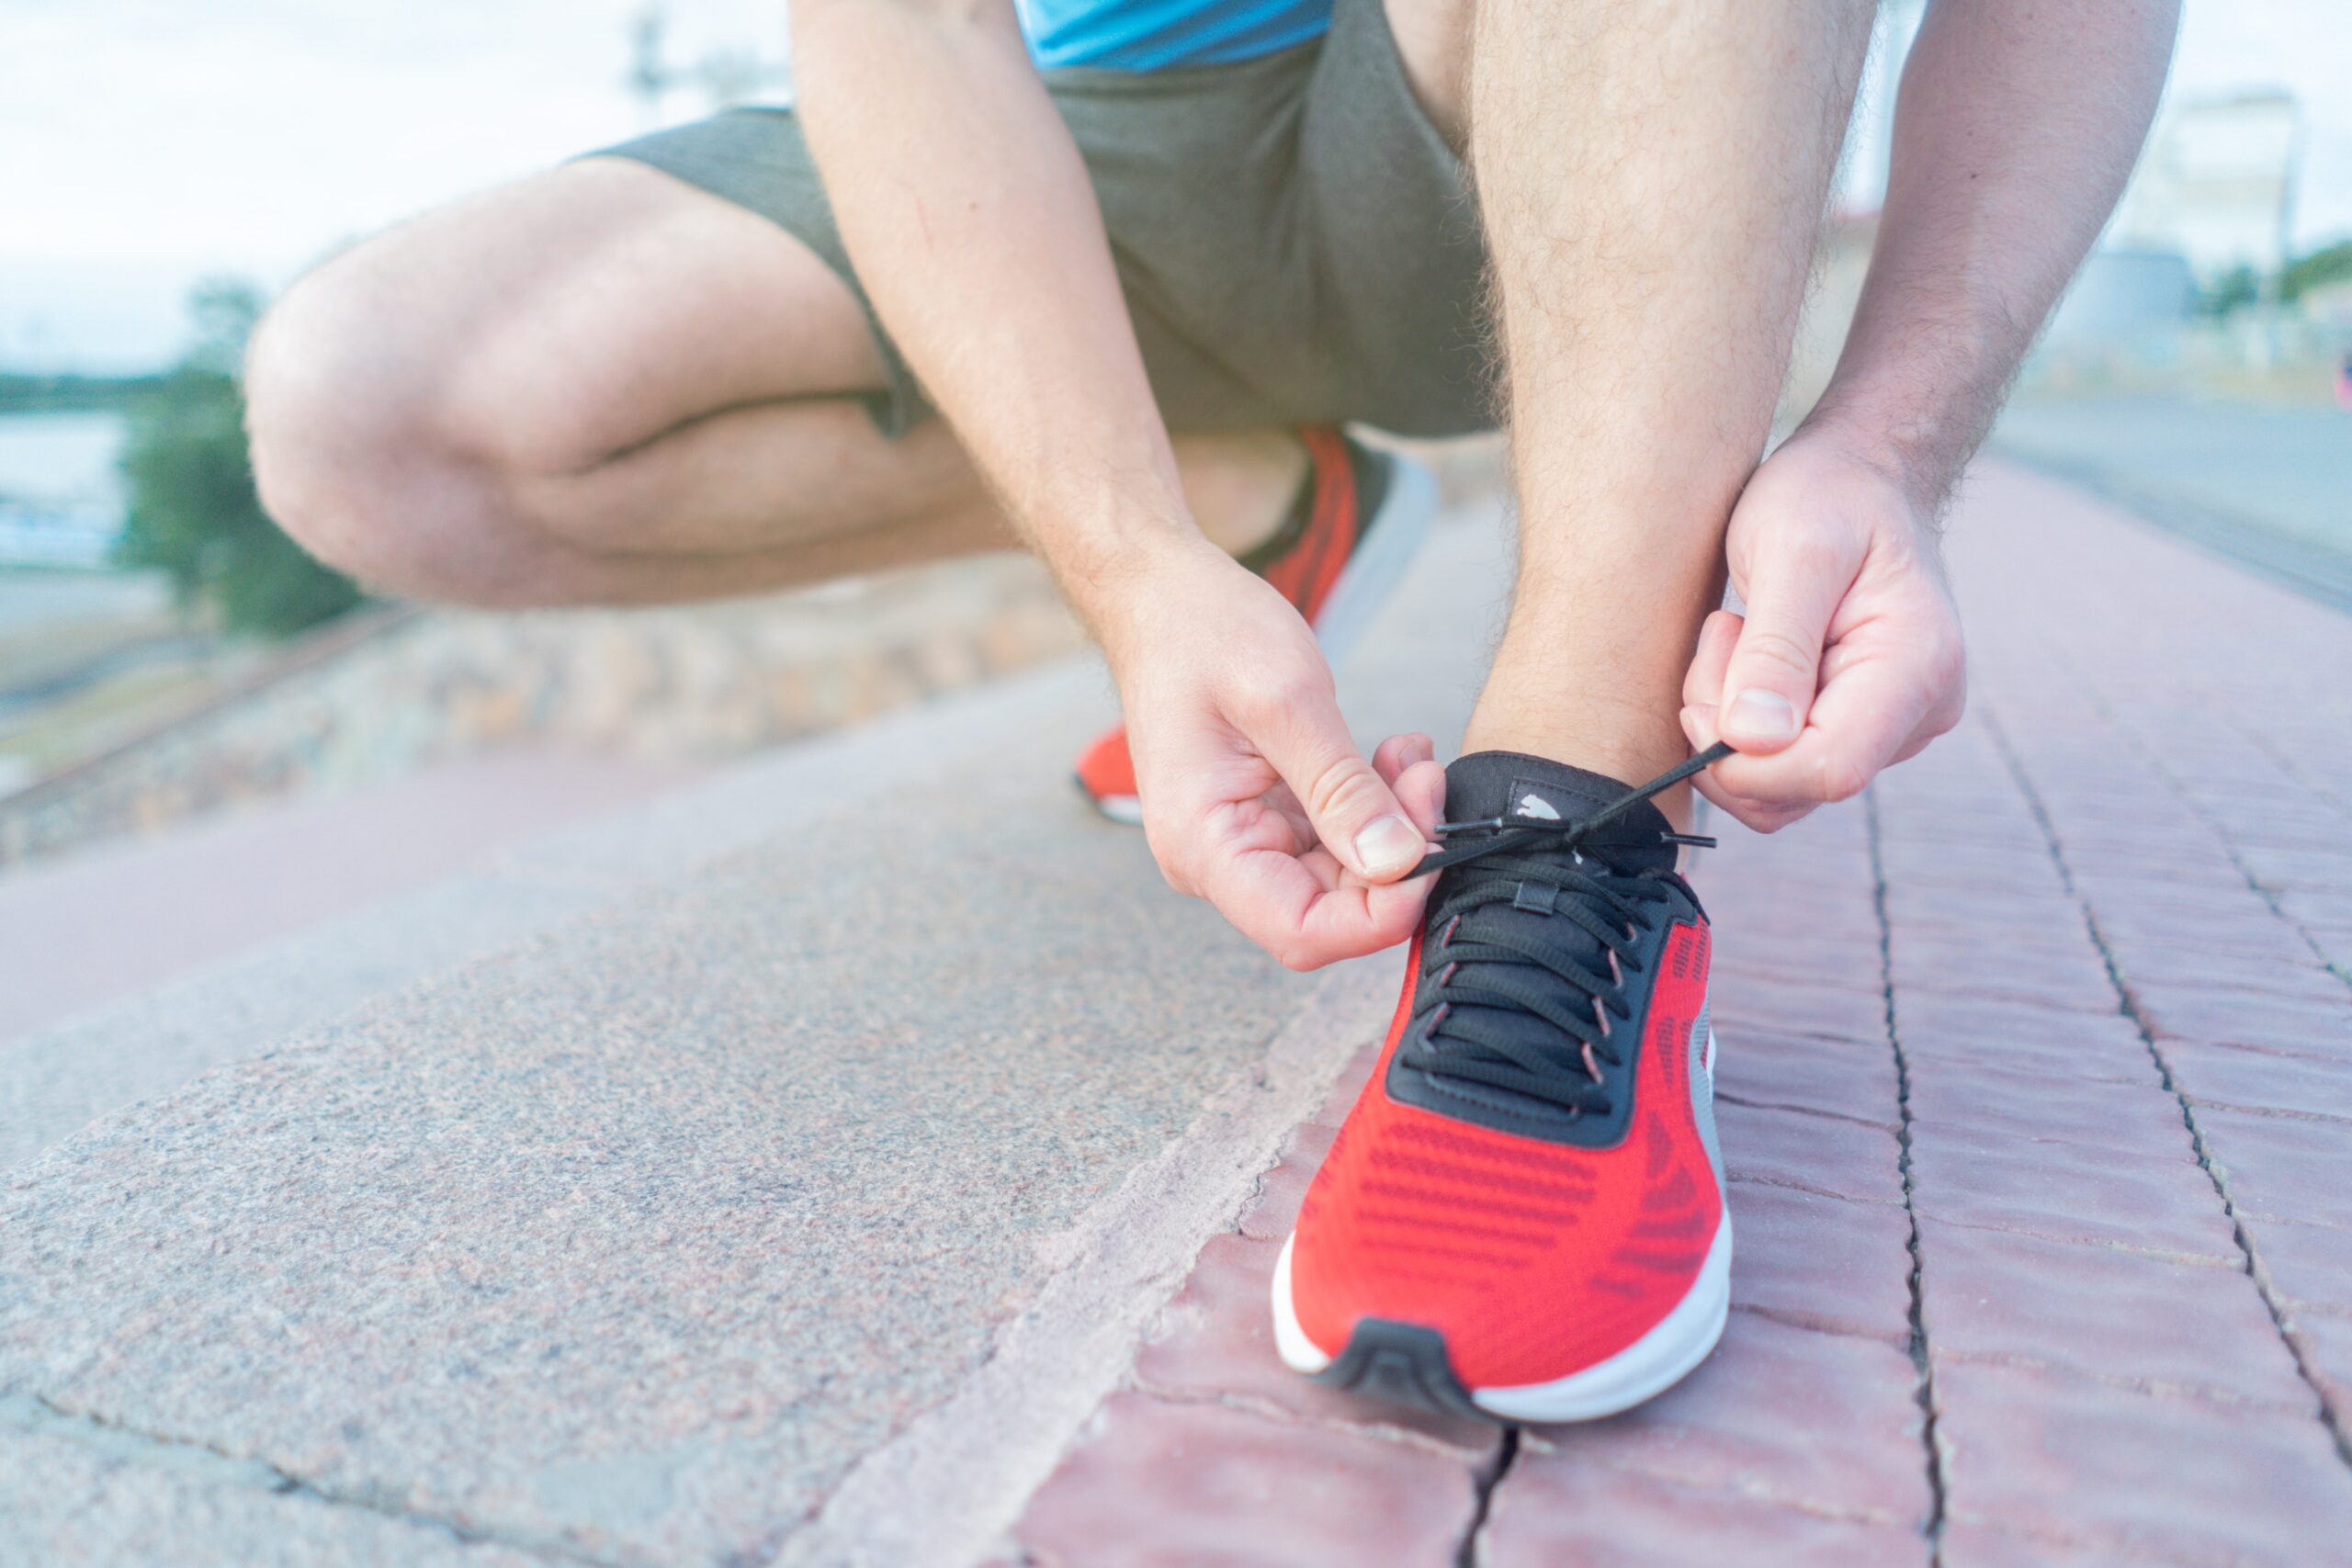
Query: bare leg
(602, 385)
(1652, 178)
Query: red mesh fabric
(1105, 768)
(1534, 1259)
(1310, 569)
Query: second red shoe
(1358, 520)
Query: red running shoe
(1359, 518)
(1523, 1216)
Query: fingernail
(1762, 716)
(1388, 843)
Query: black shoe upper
(1539, 945)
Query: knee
(347, 419)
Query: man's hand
(1254, 795)
(1849, 656)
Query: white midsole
(1640, 1372)
(1125, 808)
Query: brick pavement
(2035, 1088)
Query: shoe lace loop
(1473, 971)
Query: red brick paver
(2035, 1090)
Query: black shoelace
(1481, 966)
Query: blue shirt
(1151, 35)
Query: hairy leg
(1651, 179)
(603, 384)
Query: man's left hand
(1849, 656)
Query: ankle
(1240, 485)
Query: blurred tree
(2232, 290)
(2329, 265)
(194, 513)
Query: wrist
(1915, 404)
(1907, 449)
(1116, 574)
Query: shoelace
(1484, 967)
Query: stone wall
(390, 689)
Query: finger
(1761, 815)
(1859, 722)
(1279, 799)
(1408, 765)
(1702, 683)
(1277, 901)
(1769, 683)
(1420, 789)
(1396, 753)
(1354, 812)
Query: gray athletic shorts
(1297, 242)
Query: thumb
(1775, 667)
(1354, 813)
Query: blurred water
(61, 499)
(2267, 486)
(61, 457)
(2286, 468)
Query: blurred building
(2216, 185)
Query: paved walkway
(122, 918)
(2036, 1096)
(753, 1221)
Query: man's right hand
(1254, 795)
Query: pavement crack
(1489, 1480)
(39, 1416)
(1921, 1361)
(2153, 1388)
(1723, 1098)
(1269, 1410)
(1790, 1184)
(2161, 1254)
(2129, 1004)
(1813, 1325)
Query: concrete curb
(945, 1490)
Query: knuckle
(1948, 720)
(1776, 649)
(1175, 863)
(1948, 664)
(1842, 778)
(1815, 551)
(1341, 787)
(1267, 696)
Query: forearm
(963, 201)
(2017, 127)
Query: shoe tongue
(1509, 784)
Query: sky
(147, 143)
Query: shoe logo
(1535, 805)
